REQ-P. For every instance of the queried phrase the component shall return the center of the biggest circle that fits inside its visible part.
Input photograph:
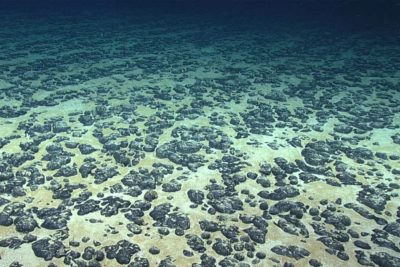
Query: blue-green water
(210, 134)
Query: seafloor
(182, 141)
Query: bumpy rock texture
(144, 141)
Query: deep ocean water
(236, 133)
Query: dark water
(199, 133)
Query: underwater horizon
(200, 133)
